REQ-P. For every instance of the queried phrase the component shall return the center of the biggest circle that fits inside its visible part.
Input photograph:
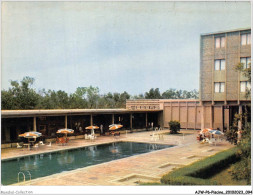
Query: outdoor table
(32, 143)
(28, 145)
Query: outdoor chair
(92, 137)
(36, 146)
(19, 146)
(155, 136)
(50, 144)
(41, 143)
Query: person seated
(200, 137)
(57, 140)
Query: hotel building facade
(222, 94)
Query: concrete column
(131, 121)
(91, 119)
(7, 134)
(34, 124)
(222, 116)
(170, 110)
(112, 118)
(211, 116)
(66, 121)
(203, 117)
(146, 119)
(240, 122)
(187, 115)
(196, 115)
(179, 111)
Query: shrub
(174, 127)
(195, 173)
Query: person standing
(152, 126)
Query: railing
(29, 174)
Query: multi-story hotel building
(222, 88)
(222, 94)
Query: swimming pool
(56, 162)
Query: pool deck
(146, 167)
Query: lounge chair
(41, 143)
(19, 146)
(50, 144)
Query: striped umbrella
(92, 127)
(66, 131)
(115, 126)
(207, 130)
(31, 134)
(216, 132)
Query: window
(219, 42)
(219, 87)
(219, 64)
(246, 39)
(245, 85)
(246, 62)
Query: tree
(92, 96)
(169, 94)
(180, 94)
(77, 99)
(240, 67)
(242, 170)
(20, 95)
(153, 94)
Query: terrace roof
(62, 112)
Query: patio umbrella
(207, 130)
(114, 127)
(65, 131)
(92, 128)
(216, 132)
(31, 134)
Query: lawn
(213, 170)
(219, 178)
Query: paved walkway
(146, 167)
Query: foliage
(21, 95)
(199, 172)
(153, 94)
(174, 127)
(242, 170)
(180, 94)
(247, 73)
(231, 133)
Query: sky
(115, 46)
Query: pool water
(56, 162)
